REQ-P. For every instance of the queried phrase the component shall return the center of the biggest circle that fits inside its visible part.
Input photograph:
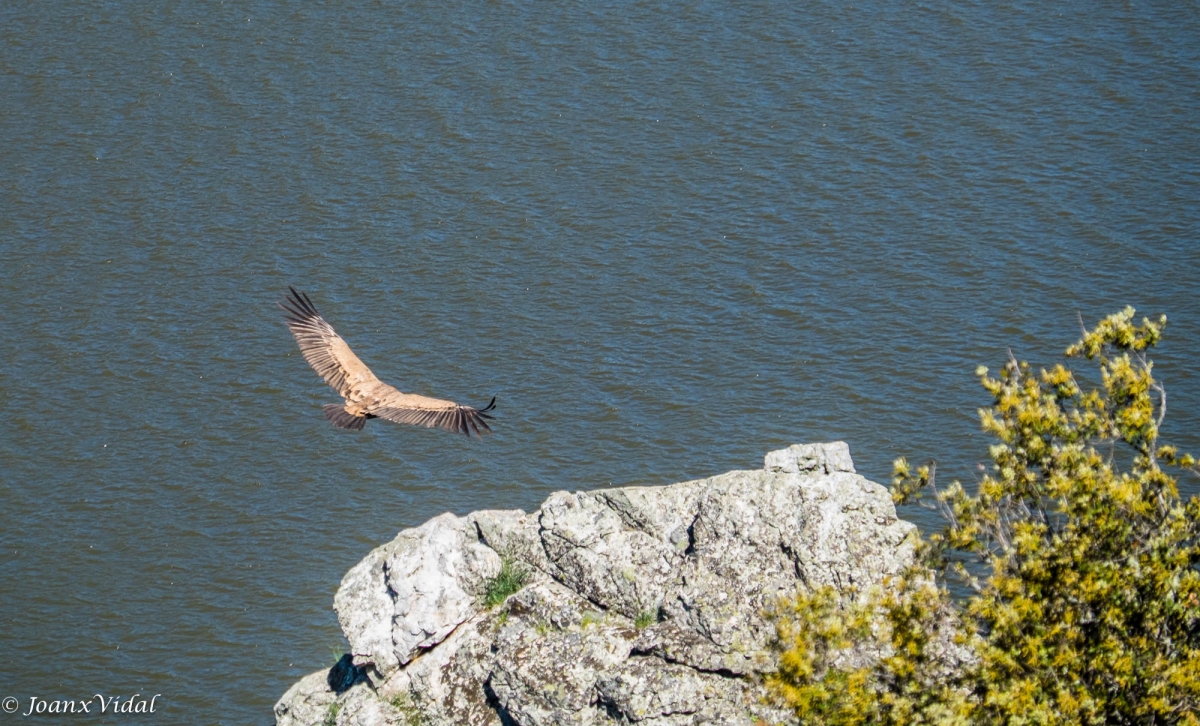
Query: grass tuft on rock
(332, 714)
(408, 710)
(512, 577)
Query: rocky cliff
(641, 605)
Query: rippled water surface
(669, 238)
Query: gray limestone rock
(643, 604)
(408, 595)
(307, 702)
(811, 459)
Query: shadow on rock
(344, 675)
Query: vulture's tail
(337, 415)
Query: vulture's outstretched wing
(366, 396)
(324, 349)
(408, 408)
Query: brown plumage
(367, 396)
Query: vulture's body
(367, 396)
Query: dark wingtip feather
(299, 306)
(289, 301)
(295, 299)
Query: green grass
(332, 714)
(512, 577)
(645, 619)
(412, 715)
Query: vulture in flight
(367, 396)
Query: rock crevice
(643, 604)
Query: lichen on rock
(643, 604)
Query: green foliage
(645, 619)
(512, 577)
(332, 714)
(1084, 561)
(828, 672)
(408, 710)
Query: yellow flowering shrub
(1083, 560)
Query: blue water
(669, 238)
